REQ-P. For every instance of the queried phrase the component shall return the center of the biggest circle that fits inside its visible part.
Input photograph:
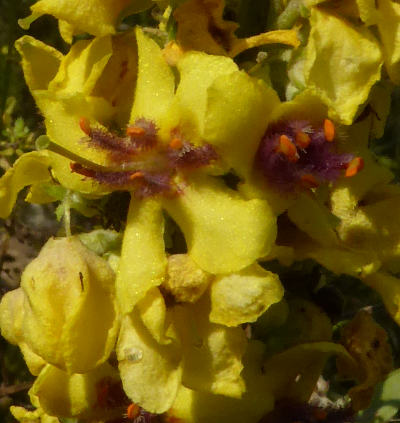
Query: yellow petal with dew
(190, 105)
(27, 416)
(150, 372)
(342, 69)
(31, 168)
(40, 62)
(143, 261)
(224, 232)
(85, 16)
(155, 83)
(236, 117)
(242, 297)
(212, 353)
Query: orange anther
(136, 175)
(84, 124)
(329, 130)
(354, 167)
(287, 148)
(302, 139)
(175, 143)
(132, 411)
(320, 414)
(135, 131)
(308, 181)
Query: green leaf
(385, 402)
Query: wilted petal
(223, 231)
(341, 69)
(242, 297)
(64, 288)
(212, 353)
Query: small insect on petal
(84, 124)
(329, 130)
(308, 181)
(302, 139)
(354, 167)
(176, 144)
(135, 131)
(132, 411)
(287, 148)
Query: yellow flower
(54, 315)
(198, 341)
(96, 17)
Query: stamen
(135, 131)
(78, 168)
(354, 167)
(136, 175)
(287, 148)
(308, 181)
(302, 139)
(329, 130)
(176, 144)
(132, 411)
(84, 124)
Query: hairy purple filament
(316, 160)
(154, 165)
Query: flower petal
(150, 372)
(212, 353)
(242, 297)
(64, 288)
(155, 84)
(236, 117)
(40, 62)
(79, 395)
(341, 69)
(224, 232)
(29, 169)
(143, 261)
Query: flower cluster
(246, 165)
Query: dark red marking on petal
(110, 394)
(124, 69)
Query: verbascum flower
(53, 316)
(189, 333)
(96, 17)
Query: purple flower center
(142, 163)
(297, 155)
